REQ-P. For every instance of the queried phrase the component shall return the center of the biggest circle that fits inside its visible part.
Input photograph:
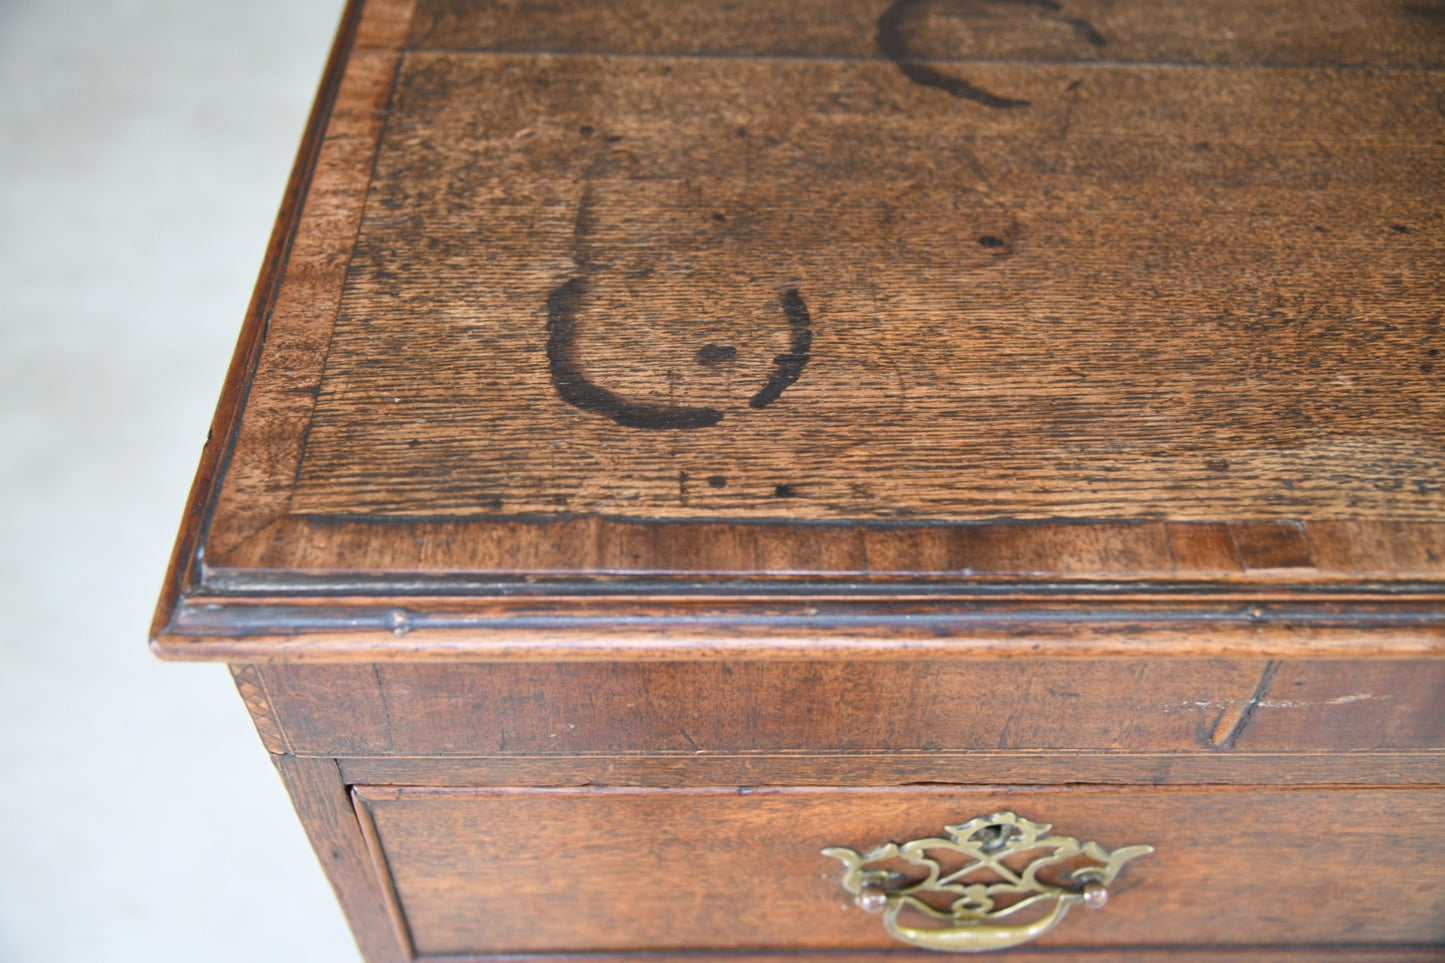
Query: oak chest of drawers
(696, 472)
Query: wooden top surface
(975, 299)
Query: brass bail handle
(989, 848)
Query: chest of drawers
(696, 472)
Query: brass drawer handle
(951, 891)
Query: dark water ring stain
(893, 43)
(788, 368)
(574, 387)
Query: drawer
(503, 871)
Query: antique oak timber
(694, 473)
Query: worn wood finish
(668, 627)
(324, 806)
(381, 867)
(1219, 33)
(1027, 314)
(1259, 554)
(182, 573)
(1178, 309)
(295, 314)
(572, 870)
(671, 437)
(843, 312)
(252, 689)
(1173, 705)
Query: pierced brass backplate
(948, 894)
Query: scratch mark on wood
(1233, 720)
(385, 705)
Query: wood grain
(410, 709)
(383, 876)
(681, 770)
(252, 689)
(671, 437)
(653, 626)
(183, 570)
(415, 551)
(1202, 294)
(1221, 33)
(1142, 296)
(571, 870)
(324, 807)
(299, 313)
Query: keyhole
(992, 838)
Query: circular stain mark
(574, 387)
(788, 368)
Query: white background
(144, 147)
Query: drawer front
(482, 871)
